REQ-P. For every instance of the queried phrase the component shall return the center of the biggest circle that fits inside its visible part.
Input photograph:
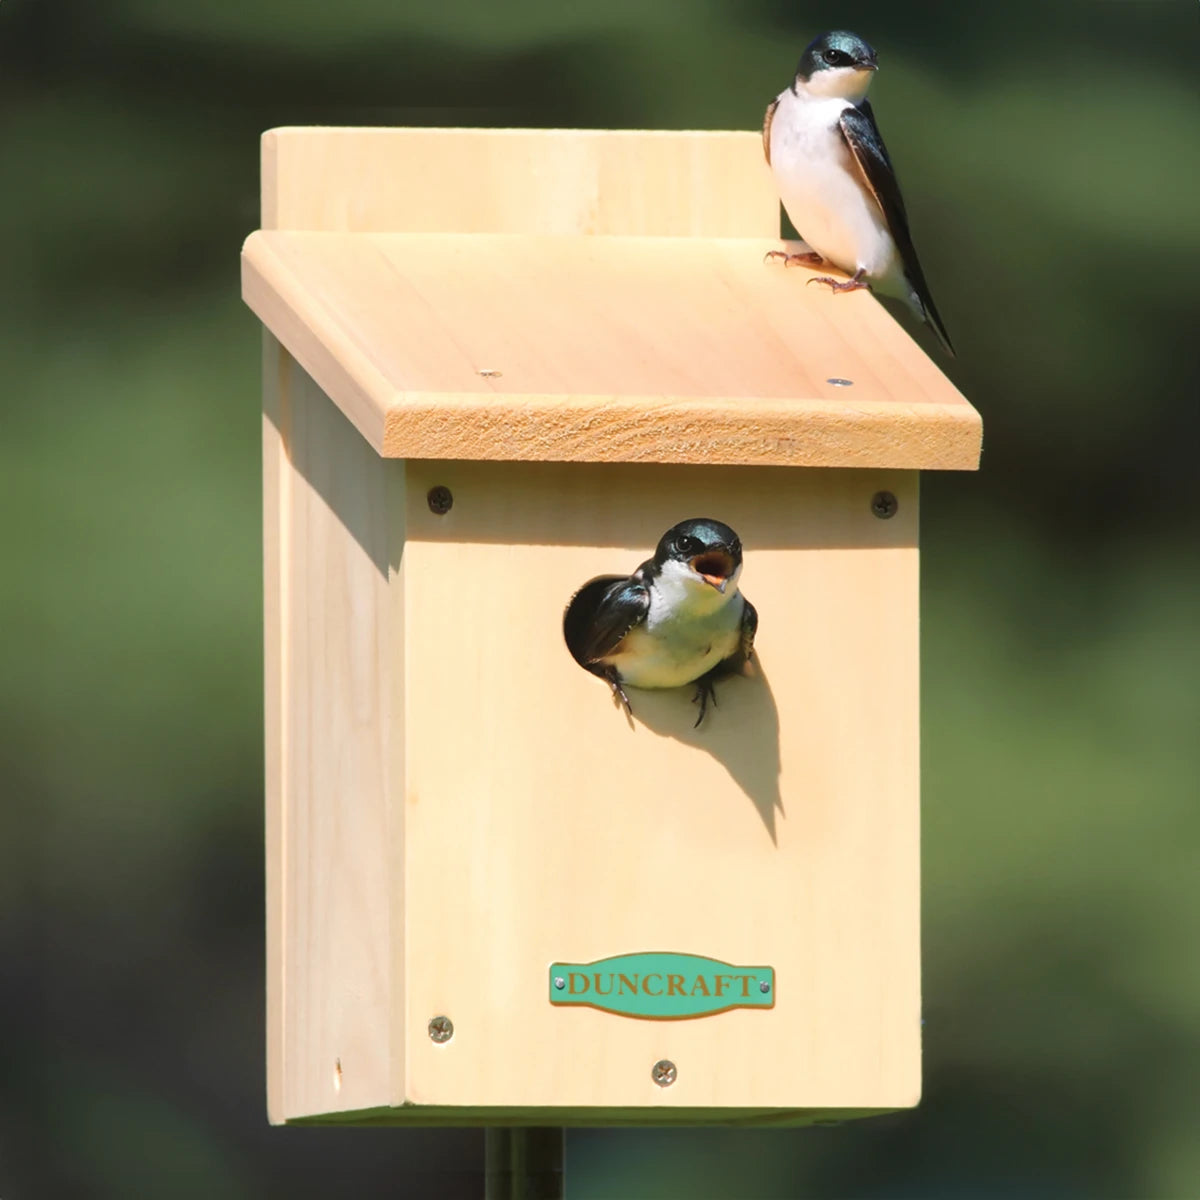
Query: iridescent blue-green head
(837, 64)
(700, 551)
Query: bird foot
(614, 682)
(705, 692)
(809, 258)
(852, 284)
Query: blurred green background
(1049, 156)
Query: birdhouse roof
(583, 309)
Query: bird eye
(687, 545)
(831, 56)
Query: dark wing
(601, 613)
(866, 145)
(749, 629)
(767, 128)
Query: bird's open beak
(715, 568)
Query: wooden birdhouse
(497, 364)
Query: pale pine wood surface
(611, 349)
(449, 796)
(334, 654)
(276, 477)
(541, 826)
(674, 183)
(459, 804)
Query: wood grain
(456, 804)
(602, 350)
(683, 184)
(541, 825)
(575, 333)
(333, 664)
(276, 507)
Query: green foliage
(1051, 176)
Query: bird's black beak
(867, 65)
(715, 567)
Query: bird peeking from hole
(678, 619)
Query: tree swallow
(835, 177)
(678, 619)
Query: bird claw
(614, 682)
(705, 691)
(810, 258)
(842, 285)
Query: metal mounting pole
(524, 1164)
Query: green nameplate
(662, 986)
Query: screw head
(764, 986)
(841, 382)
(441, 1029)
(884, 505)
(440, 500)
(559, 982)
(663, 1072)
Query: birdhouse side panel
(333, 659)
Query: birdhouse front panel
(543, 825)
(503, 888)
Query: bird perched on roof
(678, 619)
(835, 178)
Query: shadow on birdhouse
(739, 726)
(742, 735)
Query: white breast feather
(822, 188)
(690, 628)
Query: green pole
(524, 1164)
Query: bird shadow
(741, 732)
(740, 728)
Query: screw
(441, 1029)
(489, 373)
(559, 982)
(764, 986)
(440, 499)
(663, 1072)
(884, 505)
(841, 382)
